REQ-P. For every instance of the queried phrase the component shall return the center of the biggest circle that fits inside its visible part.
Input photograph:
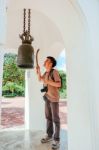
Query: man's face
(48, 63)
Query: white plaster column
(34, 104)
(91, 10)
(2, 21)
(2, 42)
(1, 77)
(83, 83)
(79, 120)
(77, 44)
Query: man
(51, 97)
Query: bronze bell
(25, 57)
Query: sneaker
(55, 144)
(46, 139)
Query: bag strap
(51, 74)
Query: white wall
(91, 13)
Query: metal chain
(24, 21)
(29, 17)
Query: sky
(61, 61)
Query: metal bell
(25, 57)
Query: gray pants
(52, 116)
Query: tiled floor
(25, 140)
(13, 112)
(12, 137)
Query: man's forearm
(52, 83)
(39, 76)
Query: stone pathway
(13, 112)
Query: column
(2, 42)
(34, 103)
(1, 77)
(2, 21)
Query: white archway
(74, 22)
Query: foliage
(13, 77)
(63, 82)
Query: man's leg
(49, 125)
(48, 115)
(56, 120)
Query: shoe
(55, 144)
(46, 139)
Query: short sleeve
(56, 76)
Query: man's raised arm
(39, 73)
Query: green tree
(13, 77)
(64, 84)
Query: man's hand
(45, 81)
(38, 72)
